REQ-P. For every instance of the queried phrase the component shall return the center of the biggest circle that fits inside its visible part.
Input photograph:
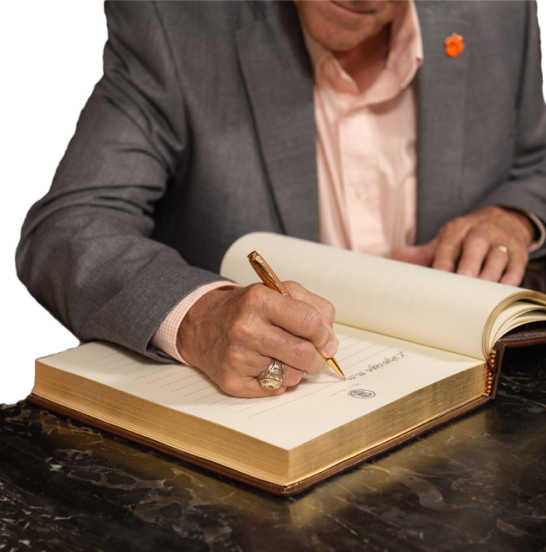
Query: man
(206, 126)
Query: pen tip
(332, 362)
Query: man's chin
(352, 7)
(340, 25)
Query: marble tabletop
(476, 484)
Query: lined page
(414, 303)
(379, 371)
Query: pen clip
(265, 273)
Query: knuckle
(487, 226)
(478, 239)
(304, 354)
(228, 377)
(495, 210)
(454, 225)
(253, 296)
(240, 330)
(329, 311)
(311, 321)
(232, 357)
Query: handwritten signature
(372, 367)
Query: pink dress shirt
(366, 157)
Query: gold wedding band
(273, 377)
(502, 248)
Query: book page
(410, 302)
(379, 371)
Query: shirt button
(361, 192)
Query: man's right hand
(232, 333)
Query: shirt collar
(405, 48)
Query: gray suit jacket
(202, 129)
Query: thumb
(416, 254)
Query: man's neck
(365, 62)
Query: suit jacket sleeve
(525, 187)
(85, 251)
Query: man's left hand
(490, 243)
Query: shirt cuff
(165, 337)
(539, 225)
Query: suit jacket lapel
(279, 82)
(441, 87)
(278, 78)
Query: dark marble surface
(476, 484)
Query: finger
(471, 236)
(292, 377)
(495, 264)
(295, 352)
(300, 319)
(326, 308)
(253, 345)
(327, 311)
(513, 277)
(256, 365)
(241, 380)
(246, 386)
(516, 267)
(447, 254)
(475, 249)
(416, 254)
(251, 389)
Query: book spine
(490, 371)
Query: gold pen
(269, 278)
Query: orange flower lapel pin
(454, 45)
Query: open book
(417, 347)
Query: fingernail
(465, 272)
(330, 349)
